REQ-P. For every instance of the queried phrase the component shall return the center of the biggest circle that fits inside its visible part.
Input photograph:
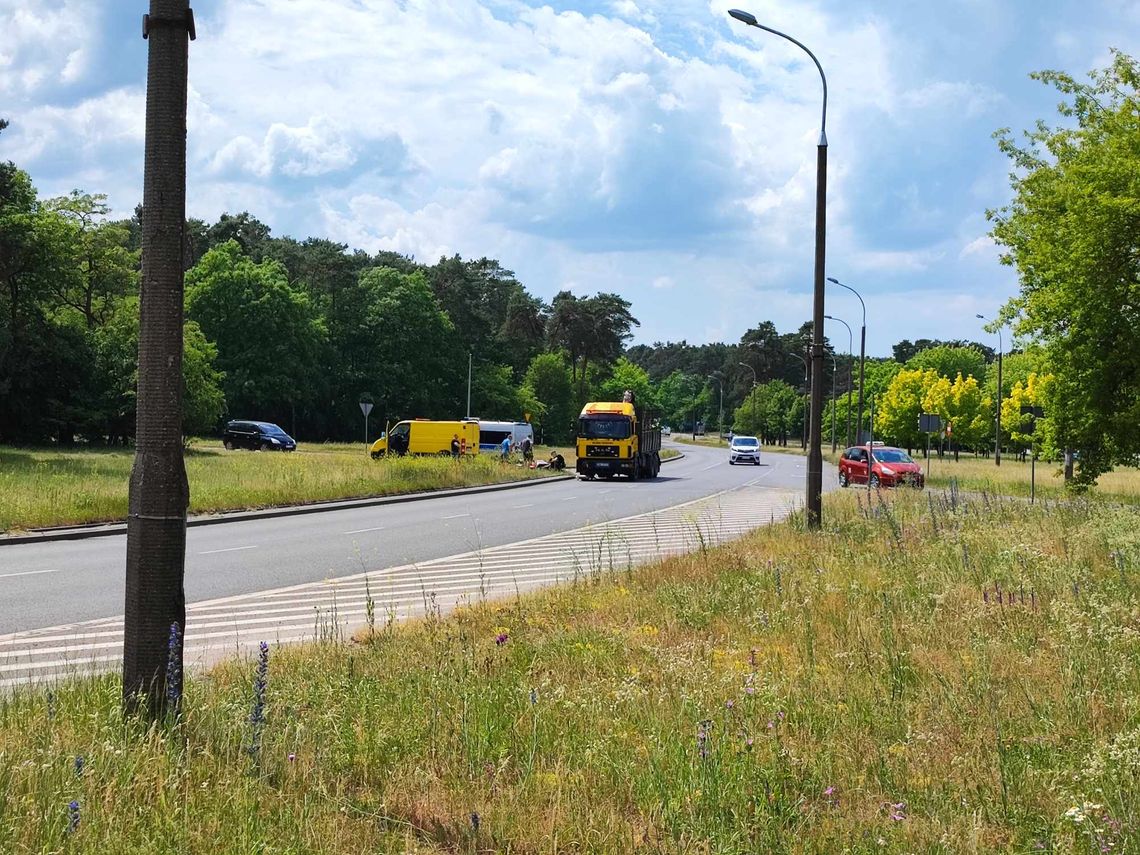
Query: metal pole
(814, 504)
(862, 354)
(833, 372)
(850, 369)
(366, 428)
(997, 434)
(469, 384)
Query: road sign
(366, 408)
(929, 423)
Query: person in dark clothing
(557, 461)
(527, 449)
(455, 446)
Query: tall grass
(927, 674)
(53, 487)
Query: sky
(653, 148)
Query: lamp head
(832, 279)
(829, 317)
(744, 17)
(980, 317)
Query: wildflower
(830, 795)
(703, 738)
(174, 667)
(730, 703)
(780, 715)
(292, 757)
(257, 713)
(771, 724)
(750, 690)
(748, 743)
(897, 811)
(72, 817)
(79, 764)
(502, 638)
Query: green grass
(860, 689)
(44, 487)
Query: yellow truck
(617, 438)
(424, 436)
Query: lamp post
(833, 372)
(720, 412)
(803, 359)
(814, 505)
(850, 359)
(862, 355)
(750, 368)
(997, 409)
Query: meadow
(931, 672)
(46, 487)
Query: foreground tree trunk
(159, 495)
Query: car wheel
(843, 482)
(875, 481)
(229, 445)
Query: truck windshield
(606, 427)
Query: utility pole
(469, 383)
(154, 614)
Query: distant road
(47, 584)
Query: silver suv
(744, 449)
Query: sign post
(366, 408)
(1035, 413)
(929, 423)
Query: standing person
(527, 449)
(505, 448)
(455, 446)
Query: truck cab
(615, 438)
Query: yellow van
(423, 436)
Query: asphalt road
(45, 584)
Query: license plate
(603, 464)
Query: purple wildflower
(174, 668)
(730, 703)
(502, 638)
(292, 757)
(897, 811)
(72, 817)
(257, 713)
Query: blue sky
(657, 149)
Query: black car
(257, 436)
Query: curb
(109, 529)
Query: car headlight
(886, 470)
(275, 441)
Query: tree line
(296, 332)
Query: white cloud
(46, 43)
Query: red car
(890, 467)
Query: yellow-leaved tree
(1031, 393)
(965, 406)
(896, 419)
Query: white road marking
(333, 608)
(26, 573)
(519, 507)
(455, 516)
(231, 549)
(714, 466)
(362, 530)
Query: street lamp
(803, 359)
(814, 505)
(750, 368)
(850, 359)
(862, 355)
(997, 431)
(720, 412)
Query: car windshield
(745, 442)
(604, 428)
(892, 455)
(272, 430)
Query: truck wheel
(376, 455)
